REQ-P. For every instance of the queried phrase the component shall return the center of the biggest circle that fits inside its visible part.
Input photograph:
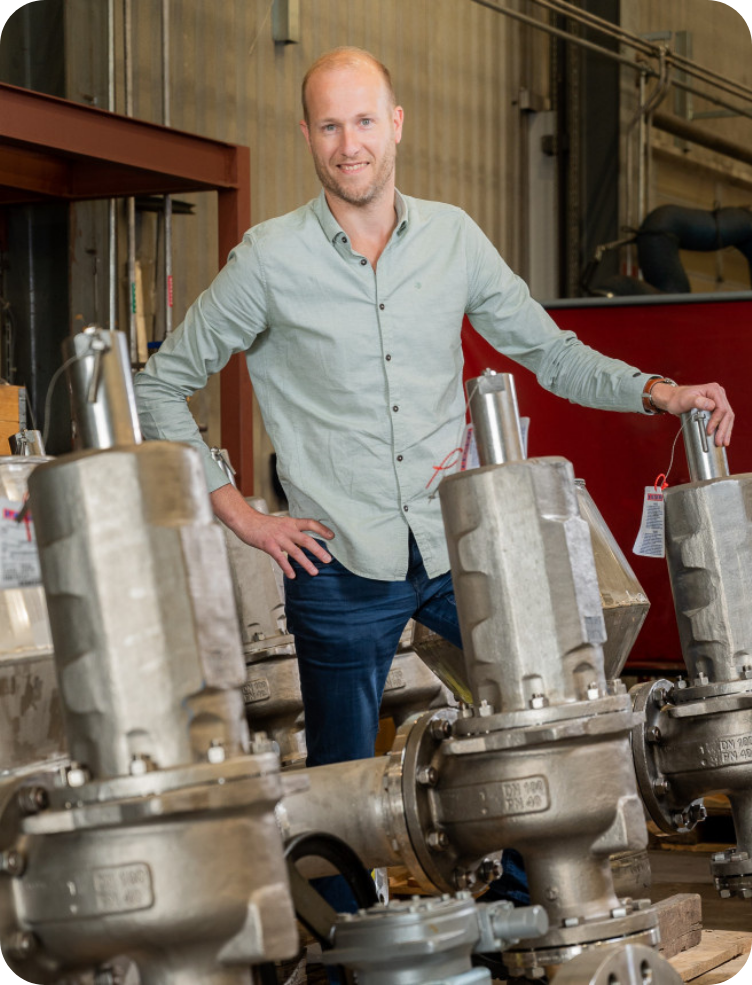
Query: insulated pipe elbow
(671, 228)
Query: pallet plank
(715, 949)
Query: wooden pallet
(719, 953)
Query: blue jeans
(346, 631)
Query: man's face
(353, 132)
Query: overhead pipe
(691, 68)
(703, 138)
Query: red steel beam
(236, 412)
(78, 140)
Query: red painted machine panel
(691, 341)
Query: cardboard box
(12, 413)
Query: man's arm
(501, 309)
(224, 320)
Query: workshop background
(531, 134)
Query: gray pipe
(361, 819)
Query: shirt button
(388, 358)
(363, 262)
(405, 508)
(344, 239)
(381, 306)
(400, 457)
(395, 408)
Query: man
(349, 311)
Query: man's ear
(306, 132)
(398, 117)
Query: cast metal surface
(541, 759)
(120, 591)
(630, 964)
(445, 660)
(102, 402)
(697, 736)
(166, 812)
(625, 604)
(493, 407)
(429, 941)
(514, 532)
(31, 724)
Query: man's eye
(329, 128)
(366, 121)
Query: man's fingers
(281, 559)
(315, 527)
(305, 563)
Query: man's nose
(350, 144)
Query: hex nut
(489, 869)
(653, 734)
(76, 776)
(138, 765)
(464, 879)
(31, 800)
(437, 840)
(440, 729)
(538, 701)
(485, 709)
(660, 697)
(216, 752)
(427, 776)
(21, 945)
(661, 786)
(12, 862)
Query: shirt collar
(333, 229)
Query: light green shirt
(359, 372)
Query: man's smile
(353, 168)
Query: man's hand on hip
(704, 396)
(281, 537)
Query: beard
(365, 195)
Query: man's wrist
(652, 393)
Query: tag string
(442, 467)
(664, 475)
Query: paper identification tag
(19, 559)
(651, 537)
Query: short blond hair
(348, 56)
